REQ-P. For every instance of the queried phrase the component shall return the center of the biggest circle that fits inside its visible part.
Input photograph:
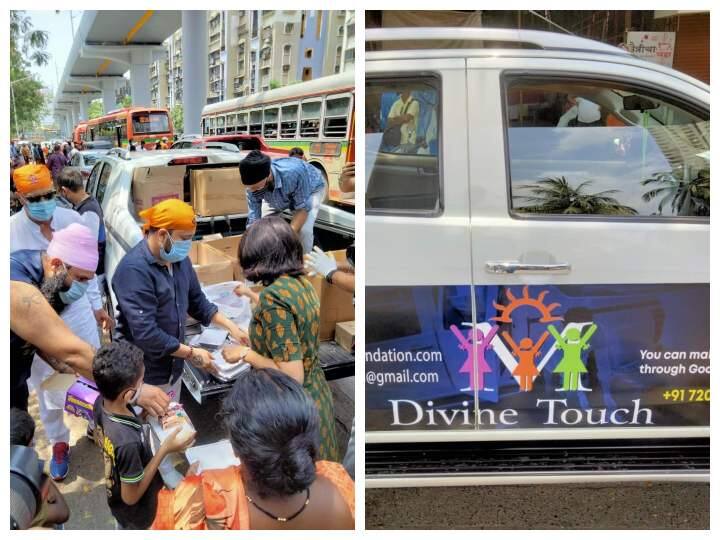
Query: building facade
(254, 51)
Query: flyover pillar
(84, 105)
(108, 95)
(140, 76)
(195, 73)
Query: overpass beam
(194, 54)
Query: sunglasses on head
(39, 198)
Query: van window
(402, 120)
(103, 182)
(580, 148)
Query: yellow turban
(169, 214)
(31, 178)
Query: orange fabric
(31, 178)
(169, 214)
(215, 500)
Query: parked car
(85, 160)
(199, 143)
(552, 195)
(243, 142)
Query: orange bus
(79, 132)
(129, 124)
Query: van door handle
(516, 267)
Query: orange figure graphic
(525, 353)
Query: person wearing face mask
(283, 184)
(156, 289)
(32, 229)
(61, 273)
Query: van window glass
(93, 178)
(580, 148)
(402, 119)
(103, 182)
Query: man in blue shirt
(156, 288)
(284, 184)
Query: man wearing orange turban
(33, 228)
(156, 289)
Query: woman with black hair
(284, 329)
(273, 428)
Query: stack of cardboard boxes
(218, 191)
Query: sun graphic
(526, 300)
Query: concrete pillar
(140, 77)
(84, 105)
(75, 114)
(195, 72)
(108, 95)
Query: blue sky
(60, 37)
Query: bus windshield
(155, 122)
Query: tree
(686, 196)
(274, 84)
(176, 113)
(126, 101)
(26, 49)
(95, 109)
(557, 196)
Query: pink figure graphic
(483, 343)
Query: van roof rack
(535, 38)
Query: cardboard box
(336, 305)
(80, 399)
(229, 246)
(211, 265)
(345, 335)
(154, 184)
(217, 192)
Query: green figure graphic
(571, 365)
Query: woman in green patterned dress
(284, 328)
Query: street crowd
(279, 415)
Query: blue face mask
(74, 293)
(179, 249)
(43, 210)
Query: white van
(537, 301)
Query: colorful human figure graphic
(571, 366)
(525, 353)
(482, 344)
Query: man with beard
(283, 184)
(61, 273)
(32, 229)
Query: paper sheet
(217, 455)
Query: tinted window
(150, 123)
(93, 179)
(102, 183)
(579, 148)
(402, 119)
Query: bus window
(230, 123)
(310, 119)
(288, 121)
(242, 122)
(335, 122)
(204, 126)
(220, 125)
(270, 123)
(256, 122)
(150, 122)
(211, 129)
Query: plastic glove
(319, 263)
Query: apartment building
(253, 51)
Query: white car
(111, 183)
(537, 261)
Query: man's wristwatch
(329, 276)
